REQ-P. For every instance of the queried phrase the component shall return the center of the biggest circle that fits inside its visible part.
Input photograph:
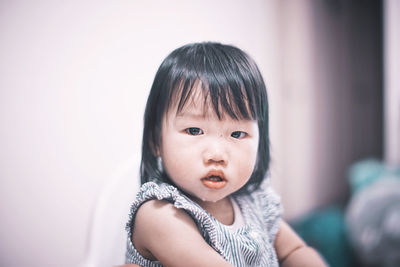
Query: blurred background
(75, 75)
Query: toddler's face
(207, 157)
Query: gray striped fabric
(250, 245)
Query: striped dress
(249, 245)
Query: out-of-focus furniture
(106, 235)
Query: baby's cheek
(177, 166)
(249, 155)
(245, 168)
(252, 164)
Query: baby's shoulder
(157, 210)
(154, 211)
(155, 207)
(159, 223)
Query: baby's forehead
(195, 98)
(221, 101)
(196, 106)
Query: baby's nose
(215, 153)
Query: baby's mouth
(214, 179)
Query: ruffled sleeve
(166, 192)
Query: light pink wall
(392, 82)
(74, 80)
(330, 99)
(294, 152)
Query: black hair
(230, 80)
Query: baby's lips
(213, 184)
(215, 173)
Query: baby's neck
(222, 210)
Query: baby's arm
(292, 251)
(170, 235)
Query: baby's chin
(212, 198)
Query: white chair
(107, 235)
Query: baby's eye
(238, 134)
(194, 131)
